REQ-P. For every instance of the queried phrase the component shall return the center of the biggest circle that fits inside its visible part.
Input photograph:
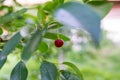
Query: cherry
(59, 43)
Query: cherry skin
(59, 43)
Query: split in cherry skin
(59, 43)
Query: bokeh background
(95, 63)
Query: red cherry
(59, 43)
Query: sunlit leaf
(55, 25)
(48, 71)
(59, 1)
(43, 47)
(19, 72)
(52, 5)
(11, 44)
(79, 16)
(101, 7)
(54, 36)
(49, 6)
(9, 17)
(41, 15)
(75, 68)
(32, 44)
(30, 16)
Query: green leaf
(3, 59)
(54, 36)
(48, 71)
(43, 47)
(8, 8)
(9, 17)
(27, 15)
(11, 44)
(19, 72)
(78, 73)
(49, 6)
(55, 25)
(52, 5)
(101, 7)
(66, 75)
(32, 44)
(85, 1)
(18, 22)
(1, 31)
(41, 15)
(79, 16)
(59, 1)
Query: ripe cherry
(59, 43)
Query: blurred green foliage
(95, 64)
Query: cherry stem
(58, 36)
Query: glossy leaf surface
(19, 72)
(9, 17)
(55, 36)
(75, 68)
(66, 75)
(11, 44)
(48, 71)
(32, 44)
